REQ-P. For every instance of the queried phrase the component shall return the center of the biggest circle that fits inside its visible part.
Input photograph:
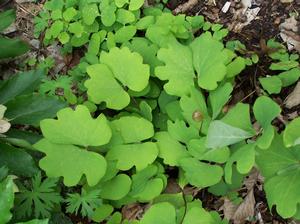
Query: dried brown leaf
(293, 99)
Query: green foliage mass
(147, 105)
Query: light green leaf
(197, 148)
(147, 184)
(77, 127)
(244, 158)
(127, 67)
(135, 4)
(6, 199)
(198, 215)
(124, 16)
(162, 213)
(125, 33)
(138, 155)
(71, 162)
(121, 3)
(280, 167)
(132, 129)
(284, 65)
(194, 109)
(179, 131)
(289, 77)
(56, 28)
(77, 28)
(170, 150)
(116, 188)
(271, 84)
(200, 174)
(178, 69)
(239, 116)
(291, 134)
(63, 37)
(90, 13)
(221, 134)
(235, 67)
(102, 87)
(69, 14)
(102, 212)
(265, 110)
(208, 60)
(107, 11)
(219, 97)
(265, 140)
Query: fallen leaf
(185, 6)
(289, 33)
(132, 211)
(293, 99)
(239, 214)
(226, 7)
(4, 126)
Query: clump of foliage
(149, 98)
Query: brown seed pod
(198, 116)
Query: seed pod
(197, 116)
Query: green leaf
(280, 167)
(127, 67)
(221, 134)
(116, 188)
(121, 3)
(2, 111)
(56, 28)
(208, 60)
(178, 69)
(71, 162)
(64, 130)
(271, 84)
(284, 65)
(102, 212)
(7, 17)
(90, 13)
(69, 14)
(138, 155)
(102, 87)
(124, 16)
(31, 109)
(107, 11)
(77, 28)
(147, 184)
(200, 174)
(289, 77)
(86, 202)
(63, 37)
(35, 221)
(235, 67)
(132, 129)
(265, 110)
(125, 33)
(219, 97)
(12, 47)
(157, 214)
(6, 199)
(17, 160)
(179, 131)
(194, 109)
(22, 83)
(170, 150)
(135, 4)
(291, 135)
(265, 140)
(197, 148)
(239, 116)
(244, 158)
(39, 199)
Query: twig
(185, 6)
